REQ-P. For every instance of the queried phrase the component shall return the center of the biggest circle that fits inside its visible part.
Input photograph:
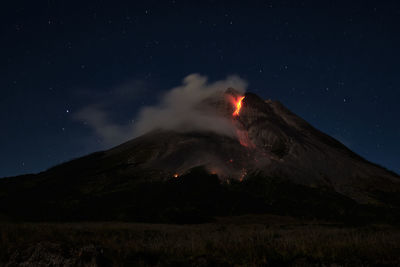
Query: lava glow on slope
(242, 134)
(238, 106)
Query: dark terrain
(195, 197)
(235, 241)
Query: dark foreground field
(239, 241)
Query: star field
(334, 64)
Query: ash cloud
(105, 109)
(99, 120)
(182, 108)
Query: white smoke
(180, 108)
(99, 120)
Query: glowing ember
(176, 175)
(238, 106)
(244, 173)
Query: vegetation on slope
(272, 241)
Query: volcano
(272, 161)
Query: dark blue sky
(336, 65)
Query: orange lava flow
(238, 105)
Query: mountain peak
(267, 141)
(270, 139)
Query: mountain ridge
(271, 147)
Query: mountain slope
(273, 162)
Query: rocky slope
(269, 139)
(272, 156)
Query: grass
(241, 241)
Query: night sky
(336, 65)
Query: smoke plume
(109, 132)
(182, 108)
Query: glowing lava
(242, 135)
(238, 106)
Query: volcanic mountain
(269, 160)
